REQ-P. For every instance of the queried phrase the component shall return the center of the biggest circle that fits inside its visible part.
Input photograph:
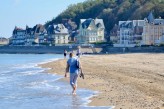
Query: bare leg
(74, 90)
(73, 82)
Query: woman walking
(65, 53)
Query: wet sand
(127, 81)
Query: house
(140, 32)
(125, 34)
(37, 30)
(72, 28)
(91, 31)
(129, 33)
(28, 36)
(18, 36)
(153, 31)
(43, 39)
(58, 34)
(4, 41)
(29, 40)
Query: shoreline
(127, 81)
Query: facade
(43, 39)
(58, 34)
(153, 31)
(90, 31)
(140, 32)
(4, 41)
(114, 34)
(28, 36)
(130, 33)
(18, 37)
(71, 26)
(37, 31)
(29, 40)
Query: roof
(16, 29)
(38, 28)
(60, 28)
(69, 24)
(3, 38)
(98, 23)
(28, 30)
(158, 21)
(125, 24)
(150, 18)
(50, 29)
(57, 29)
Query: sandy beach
(127, 81)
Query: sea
(25, 85)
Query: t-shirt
(73, 68)
(78, 51)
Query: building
(37, 31)
(69, 24)
(153, 31)
(28, 36)
(72, 28)
(18, 36)
(132, 33)
(58, 34)
(114, 34)
(29, 39)
(138, 26)
(4, 41)
(91, 31)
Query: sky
(29, 12)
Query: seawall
(86, 49)
(35, 49)
(134, 50)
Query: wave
(42, 85)
(29, 73)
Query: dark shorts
(65, 54)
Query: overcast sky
(29, 12)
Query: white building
(58, 33)
(18, 37)
(28, 36)
(90, 31)
(130, 33)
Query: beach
(126, 81)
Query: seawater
(24, 85)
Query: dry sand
(127, 81)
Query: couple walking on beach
(77, 54)
(74, 67)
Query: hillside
(111, 11)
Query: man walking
(73, 66)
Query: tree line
(111, 11)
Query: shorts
(78, 54)
(73, 79)
(65, 54)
